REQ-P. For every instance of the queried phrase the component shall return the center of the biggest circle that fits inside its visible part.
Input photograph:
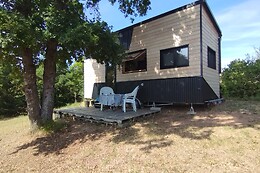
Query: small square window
(211, 58)
(174, 57)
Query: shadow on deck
(107, 116)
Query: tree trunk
(30, 89)
(75, 97)
(49, 81)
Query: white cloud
(240, 27)
(244, 12)
(240, 21)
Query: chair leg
(134, 106)
(124, 108)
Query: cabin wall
(173, 30)
(191, 84)
(210, 38)
(93, 73)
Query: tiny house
(176, 56)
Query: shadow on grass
(148, 133)
(76, 131)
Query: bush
(241, 79)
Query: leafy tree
(242, 78)
(11, 94)
(55, 31)
(69, 85)
(75, 80)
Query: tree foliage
(55, 31)
(241, 79)
(12, 99)
(69, 85)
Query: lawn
(222, 138)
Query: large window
(211, 58)
(174, 57)
(135, 62)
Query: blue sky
(239, 21)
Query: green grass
(77, 104)
(54, 126)
(238, 105)
(171, 141)
(12, 124)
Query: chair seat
(130, 98)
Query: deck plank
(110, 116)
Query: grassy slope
(224, 138)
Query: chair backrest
(106, 91)
(133, 93)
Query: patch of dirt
(222, 138)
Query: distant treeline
(68, 87)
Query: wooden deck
(107, 116)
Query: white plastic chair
(130, 98)
(104, 94)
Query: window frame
(134, 71)
(162, 66)
(212, 63)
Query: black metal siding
(207, 92)
(174, 90)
